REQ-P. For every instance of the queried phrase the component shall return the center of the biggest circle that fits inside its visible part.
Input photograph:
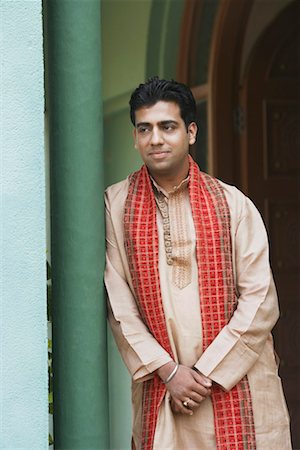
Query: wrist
(164, 371)
(171, 375)
(168, 371)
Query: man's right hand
(186, 386)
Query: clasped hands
(188, 388)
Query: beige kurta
(244, 346)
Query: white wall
(23, 320)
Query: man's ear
(192, 131)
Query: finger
(185, 407)
(204, 393)
(201, 390)
(175, 408)
(186, 411)
(197, 398)
(202, 379)
(192, 405)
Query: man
(191, 296)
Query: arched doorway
(209, 61)
(253, 140)
(271, 176)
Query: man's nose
(156, 136)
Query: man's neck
(168, 185)
(170, 181)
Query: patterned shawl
(233, 415)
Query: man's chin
(160, 168)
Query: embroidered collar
(181, 187)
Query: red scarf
(233, 414)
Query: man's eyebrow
(168, 122)
(142, 124)
(162, 122)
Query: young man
(191, 297)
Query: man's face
(162, 139)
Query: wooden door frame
(257, 82)
(188, 38)
(256, 68)
(223, 77)
(223, 81)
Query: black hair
(155, 90)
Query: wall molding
(117, 104)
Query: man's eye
(143, 130)
(169, 127)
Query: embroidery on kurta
(178, 245)
(233, 413)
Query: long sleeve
(140, 351)
(239, 344)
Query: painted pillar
(77, 251)
(23, 311)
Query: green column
(73, 53)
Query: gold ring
(186, 403)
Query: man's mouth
(159, 154)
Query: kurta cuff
(147, 371)
(232, 368)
